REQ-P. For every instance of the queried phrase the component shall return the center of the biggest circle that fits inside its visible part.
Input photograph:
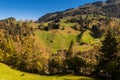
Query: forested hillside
(80, 41)
(109, 8)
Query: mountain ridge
(110, 8)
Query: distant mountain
(110, 8)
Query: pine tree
(109, 46)
(108, 56)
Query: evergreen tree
(109, 47)
(108, 57)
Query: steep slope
(110, 8)
(91, 21)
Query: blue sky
(33, 9)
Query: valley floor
(6, 73)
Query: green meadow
(7, 73)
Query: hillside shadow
(80, 36)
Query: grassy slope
(60, 39)
(87, 38)
(6, 73)
(56, 39)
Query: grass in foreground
(6, 73)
